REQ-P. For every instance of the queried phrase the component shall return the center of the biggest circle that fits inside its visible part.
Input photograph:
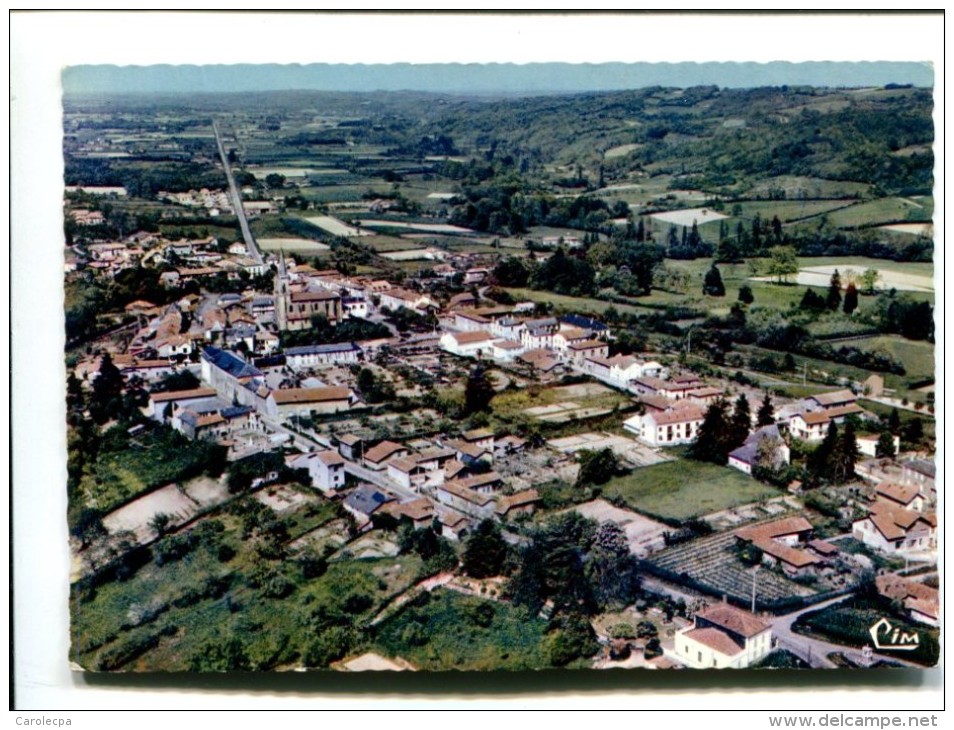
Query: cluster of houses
(450, 479)
(902, 518)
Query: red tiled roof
(900, 493)
(734, 619)
(715, 640)
(182, 394)
(311, 395)
(383, 450)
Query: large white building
(723, 637)
(671, 427)
(468, 344)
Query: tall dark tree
(851, 298)
(766, 413)
(597, 467)
(894, 421)
(846, 455)
(821, 462)
(478, 392)
(740, 423)
(106, 401)
(812, 301)
(711, 443)
(484, 551)
(833, 300)
(745, 294)
(884, 449)
(776, 231)
(611, 567)
(713, 286)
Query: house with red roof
(723, 637)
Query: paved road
(250, 243)
(380, 480)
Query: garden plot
(644, 535)
(336, 227)
(582, 390)
(207, 492)
(565, 411)
(688, 216)
(712, 562)
(373, 546)
(334, 533)
(281, 499)
(135, 516)
(625, 448)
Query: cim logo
(889, 637)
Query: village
(313, 405)
(346, 394)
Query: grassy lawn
(848, 623)
(684, 488)
(582, 305)
(443, 634)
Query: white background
(43, 43)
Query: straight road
(236, 194)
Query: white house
(468, 344)
(667, 428)
(896, 531)
(326, 469)
(312, 355)
(507, 350)
(723, 637)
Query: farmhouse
(466, 500)
(723, 636)
(419, 511)
(920, 472)
(832, 399)
(506, 350)
(470, 321)
(578, 352)
(868, 443)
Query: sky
(490, 78)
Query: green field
(917, 356)
(885, 210)
(681, 489)
(583, 305)
(442, 635)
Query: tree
(846, 455)
(821, 462)
(834, 291)
(869, 280)
(597, 467)
(711, 443)
(851, 298)
(107, 391)
(478, 392)
(484, 551)
(511, 271)
(740, 423)
(812, 301)
(611, 568)
(745, 294)
(712, 285)
(884, 449)
(782, 263)
(766, 413)
(894, 421)
(160, 522)
(913, 431)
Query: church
(295, 305)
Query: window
(700, 657)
